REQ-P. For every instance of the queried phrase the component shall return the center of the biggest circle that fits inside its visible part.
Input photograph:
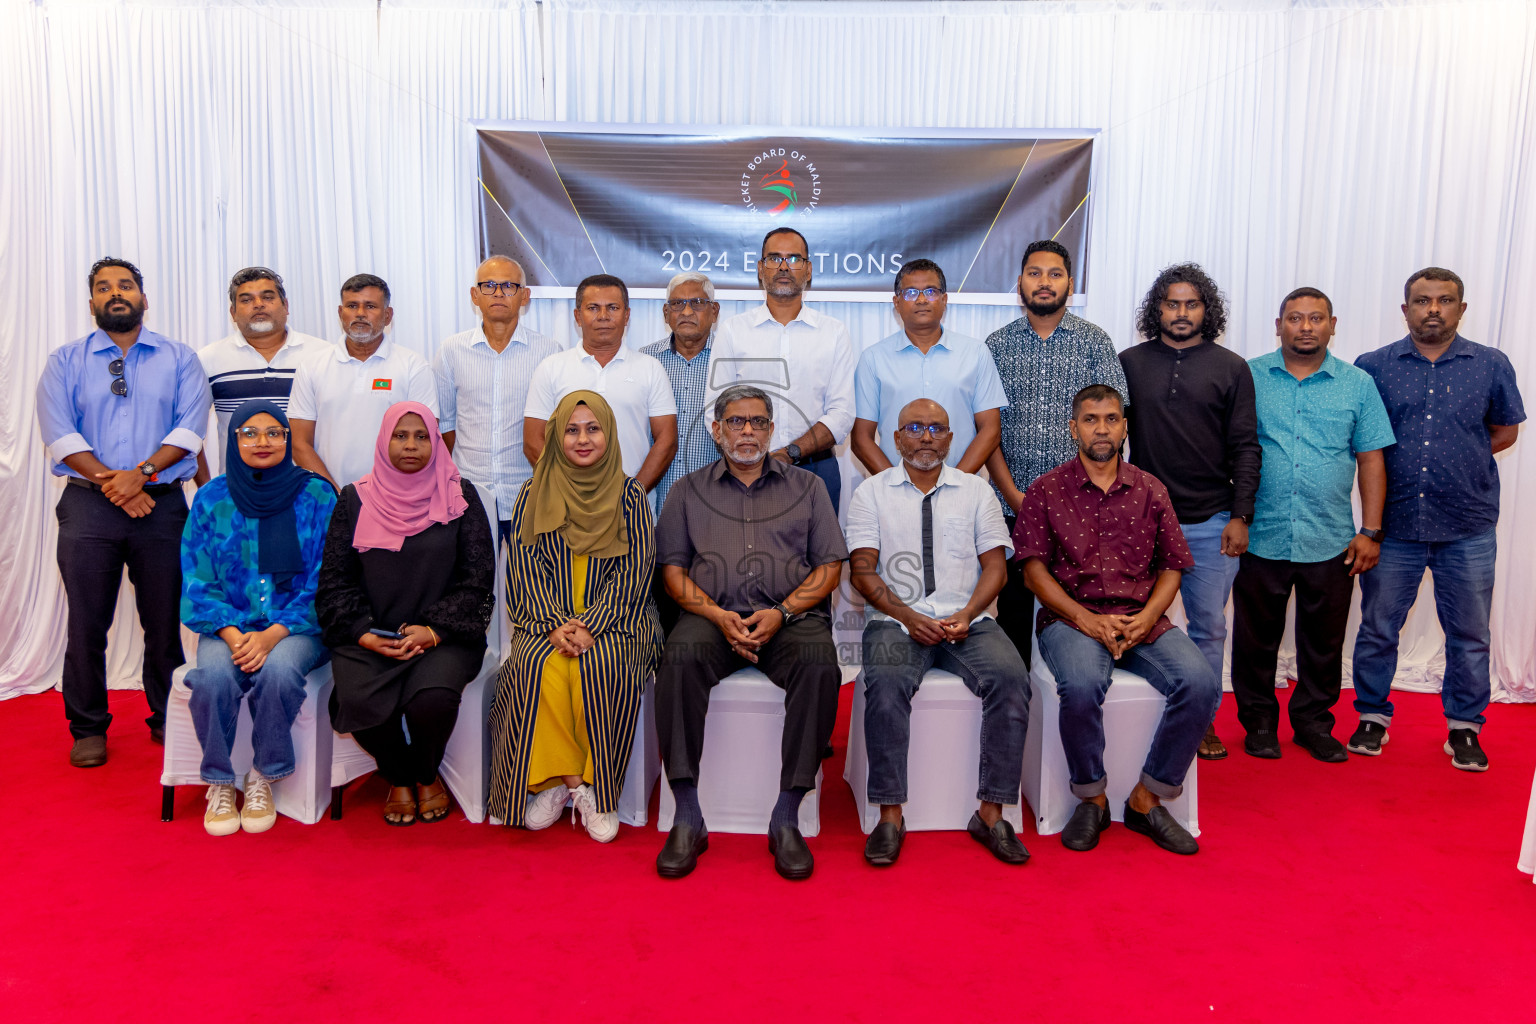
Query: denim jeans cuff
(275, 776)
(209, 781)
(997, 796)
(1451, 723)
(1087, 789)
(888, 798)
(1162, 790)
(1385, 721)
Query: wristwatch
(784, 612)
(793, 451)
(1374, 535)
(1248, 519)
(148, 469)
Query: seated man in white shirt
(341, 392)
(929, 554)
(634, 384)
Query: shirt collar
(519, 337)
(670, 343)
(382, 352)
(1459, 347)
(808, 316)
(618, 357)
(99, 341)
(905, 342)
(949, 476)
(294, 340)
(1079, 475)
(1329, 368)
(718, 470)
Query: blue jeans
(1175, 668)
(894, 665)
(1206, 587)
(1463, 578)
(276, 692)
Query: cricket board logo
(780, 181)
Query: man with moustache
(924, 360)
(1102, 549)
(1044, 358)
(1453, 404)
(752, 550)
(929, 554)
(122, 411)
(803, 358)
(341, 393)
(1321, 425)
(257, 362)
(690, 312)
(1192, 410)
(483, 376)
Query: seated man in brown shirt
(1104, 554)
(750, 550)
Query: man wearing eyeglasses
(483, 376)
(258, 361)
(690, 311)
(923, 360)
(122, 411)
(803, 358)
(930, 553)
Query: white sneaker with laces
(221, 818)
(544, 808)
(602, 827)
(259, 812)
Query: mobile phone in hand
(387, 634)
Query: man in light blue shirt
(690, 311)
(122, 412)
(1321, 422)
(923, 360)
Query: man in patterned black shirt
(1044, 358)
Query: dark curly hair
(1149, 321)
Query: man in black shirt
(1195, 429)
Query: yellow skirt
(560, 744)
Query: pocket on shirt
(959, 537)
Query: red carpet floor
(1322, 892)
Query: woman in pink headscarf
(404, 600)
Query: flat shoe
(1087, 823)
(680, 854)
(1159, 826)
(999, 839)
(89, 752)
(791, 857)
(401, 801)
(884, 843)
(433, 802)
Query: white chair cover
(1528, 845)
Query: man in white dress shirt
(341, 393)
(633, 383)
(803, 358)
(929, 554)
(482, 384)
(258, 361)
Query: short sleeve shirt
(633, 383)
(957, 372)
(237, 373)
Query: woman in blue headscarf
(250, 560)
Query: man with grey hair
(482, 384)
(751, 550)
(690, 312)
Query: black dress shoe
(1322, 746)
(1087, 823)
(884, 844)
(1263, 744)
(680, 854)
(157, 734)
(1159, 825)
(791, 857)
(1000, 839)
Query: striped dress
(626, 643)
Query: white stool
(739, 767)
(644, 763)
(1528, 845)
(943, 758)
(1132, 711)
(302, 796)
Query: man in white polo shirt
(258, 361)
(341, 393)
(634, 384)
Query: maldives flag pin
(382, 384)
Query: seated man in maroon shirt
(1103, 552)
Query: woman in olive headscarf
(579, 578)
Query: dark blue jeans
(275, 691)
(1175, 668)
(894, 665)
(1463, 579)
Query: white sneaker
(259, 812)
(221, 818)
(544, 808)
(602, 827)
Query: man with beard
(751, 550)
(258, 361)
(341, 393)
(1044, 357)
(1102, 549)
(1453, 404)
(1192, 407)
(1321, 425)
(929, 555)
(803, 358)
(122, 411)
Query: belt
(821, 456)
(76, 481)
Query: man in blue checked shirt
(122, 412)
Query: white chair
(943, 758)
(301, 796)
(1132, 711)
(1528, 845)
(739, 768)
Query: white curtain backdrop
(1341, 145)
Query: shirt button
(1421, 494)
(1429, 415)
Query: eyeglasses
(119, 383)
(916, 430)
(679, 305)
(507, 288)
(930, 293)
(739, 423)
(251, 436)
(791, 261)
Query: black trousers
(1016, 607)
(1259, 597)
(430, 716)
(96, 540)
(800, 659)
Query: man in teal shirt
(1321, 422)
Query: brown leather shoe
(89, 752)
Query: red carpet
(1321, 892)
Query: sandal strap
(401, 800)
